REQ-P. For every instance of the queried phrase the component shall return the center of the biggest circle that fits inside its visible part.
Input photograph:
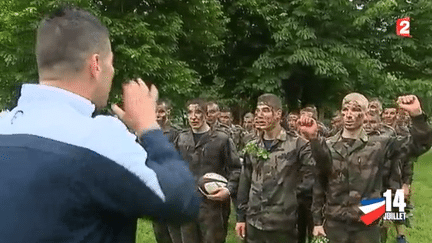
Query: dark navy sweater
(68, 177)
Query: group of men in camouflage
(289, 177)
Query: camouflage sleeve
(391, 172)
(243, 189)
(407, 171)
(421, 135)
(318, 202)
(322, 156)
(401, 149)
(233, 167)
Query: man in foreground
(69, 177)
(363, 167)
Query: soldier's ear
(279, 114)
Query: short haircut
(295, 113)
(225, 109)
(165, 102)
(213, 103)
(358, 98)
(198, 101)
(375, 99)
(311, 109)
(270, 100)
(67, 38)
(248, 115)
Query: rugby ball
(210, 182)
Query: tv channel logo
(374, 209)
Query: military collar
(340, 147)
(282, 136)
(363, 136)
(375, 132)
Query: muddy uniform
(212, 151)
(362, 169)
(305, 222)
(267, 190)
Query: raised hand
(307, 127)
(411, 104)
(139, 106)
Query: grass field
(421, 232)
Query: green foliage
(252, 149)
(310, 51)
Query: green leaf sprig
(320, 239)
(253, 149)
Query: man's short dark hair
(311, 109)
(198, 101)
(248, 115)
(164, 102)
(270, 100)
(213, 103)
(225, 109)
(67, 38)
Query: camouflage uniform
(218, 126)
(214, 152)
(236, 133)
(167, 233)
(361, 170)
(267, 190)
(387, 130)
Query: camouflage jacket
(171, 133)
(245, 138)
(407, 165)
(236, 133)
(363, 170)
(214, 152)
(267, 191)
(217, 126)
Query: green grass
(421, 231)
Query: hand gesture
(221, 194)
(411, 104)
(139, 106)
(241, 229)
(307, 127)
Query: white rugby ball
(210, 182)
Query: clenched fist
(307, 127)
(411, 104)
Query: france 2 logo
(403, 27)
(373, 209)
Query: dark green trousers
(212, 224)
(254, 235)
(165, 233)
(342, 232)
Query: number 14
(398, 202)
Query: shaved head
(67, 38)
(357, 98)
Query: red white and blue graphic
(373, 209)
